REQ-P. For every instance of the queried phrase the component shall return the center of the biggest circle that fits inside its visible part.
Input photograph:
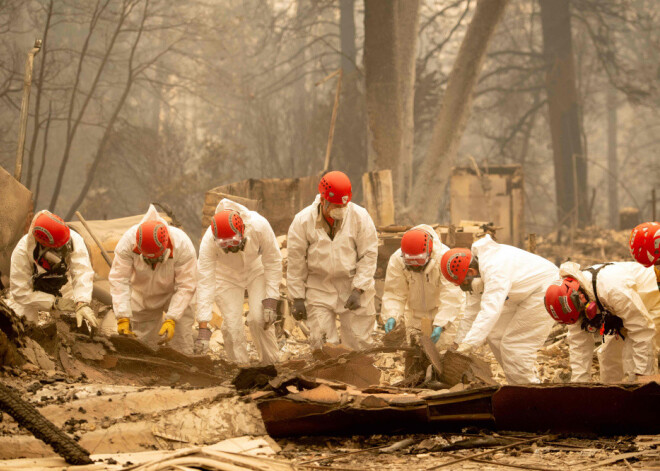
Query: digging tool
(106, 257)
(333, 119)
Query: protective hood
(226, 203)
(153, 215)
(573, 270)
(483, 246)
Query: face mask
(477, 286)
(472, 285)
(153, 261)
(338, 213)
(416, 268)
(590, 310)
(236, 248)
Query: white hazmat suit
(224, 277)
(26, 301)
(324, 272)
(629, 291)
(422, 295)
(509, 312)
(142, 294)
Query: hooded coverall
(510, 312)
(141, 293)
(24, 299)
(422, 295)
(629, 291)
(224, 277)
(324, 271)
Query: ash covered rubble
(116, 396)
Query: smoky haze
(139, 101)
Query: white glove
(202, 341)
(465, 349)
(87, 313)
(64, 304)
(270, 316)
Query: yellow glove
(124, 326)
(167, 329)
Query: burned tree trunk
(390, 47)
(612, 138)
(383, 104)
(564, 111)
(408, 21)
(351, 154)
(454, 111)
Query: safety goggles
(227, 243)
(418, 260)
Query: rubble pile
(117, 396)
(587, 246)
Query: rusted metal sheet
(473, 407)
(284, 417)
(594, 408)
(574, 408)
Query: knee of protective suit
(255, 316)
(231, 329)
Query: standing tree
(390, 46)
(435, 169)
(564, 110)
(350, 151)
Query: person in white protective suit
(50, 269)
(617, 302)
(416, 288)
(505, 306)
(239, 251)
(155, 270)
(332, 251)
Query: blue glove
(389, 325)
(435, 335)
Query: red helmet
(50, 230)
(645, 243)
(152, 239)
(416, 247)
(335, 187)
(227, 225)
(562, 300)
(455, 264)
